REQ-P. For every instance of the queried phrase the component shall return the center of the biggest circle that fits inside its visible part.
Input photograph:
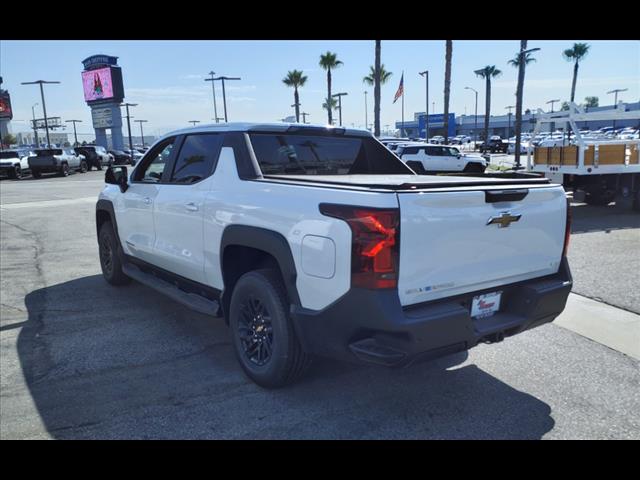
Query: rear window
(410, 150)
(299, 154)
(6, 154)
(48, 152)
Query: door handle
(146, 200)
(191, 206)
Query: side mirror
(117, 176)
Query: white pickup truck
(311, 240)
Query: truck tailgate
(448, 247)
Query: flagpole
(402, 133)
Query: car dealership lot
(82, 359)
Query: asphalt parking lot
(82, 359)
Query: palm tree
(295, 79)
(488, 72)
(520, 61)
(330, 102)
(591, 101)
(575, 54)
(329, 61)
(447, 85)
(376, 90)
(384, 76)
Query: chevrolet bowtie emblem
(504, 220)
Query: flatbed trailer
(597, 171)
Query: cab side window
(154, 165)
(197, 157)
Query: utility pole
(75, 134)
(425, 74)
(213, 90)
(340, 95)
(44, 105)
(141, 132)
(224, 96)
(509, 129)
(475, 118)
(127, 105)
(615, 102)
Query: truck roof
(269, 127)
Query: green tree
(330, 104)
(564, 107)
(520, 61)
(329, 61)
(447, 87)
(376, 88)
(9, 139)
(371, 78)
(488, 72)
(296, 80)
(591, 101)
(575, 54)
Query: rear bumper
(371, 326)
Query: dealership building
(502, 125)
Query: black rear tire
(264, 339)
(16, 172)
(64, 170)
(84, 168)
(110, 262)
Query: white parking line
(49, 203)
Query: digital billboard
(5, 105)
(97, 84)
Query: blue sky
(166, 77)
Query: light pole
(127, 105)
(304, 117)
(44, 106)
(475, 118)
(425, 74)
(340, 95)
(294, 106)
(194, 122)
(366, 120)
(615, 102)
(509, 129)
(224, 96)
(141, 132)
(552, 124)
(213, 90)
(75, 134)
(35, 130)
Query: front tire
(64, 170)
(110, 262)
(264, 340)
(16, 173)
(84, 168)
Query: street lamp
(44, 106)
(194, 122)
(224, 96)
(141, 132)
(304, 117)
(127, 105)
(340, 95)
(425, 74)
(552, 124)
(366, 120)
(35, 130)
(75, 134)
(509, 129)
(615, 102)
(475, 118)
(213, 90)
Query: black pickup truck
(494, 145)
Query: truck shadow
(106, 362)
(589, 218)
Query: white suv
(425, 158)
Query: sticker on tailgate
(485, 305)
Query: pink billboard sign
(97, 84)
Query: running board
(190, 300)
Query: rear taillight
(567, 231)
(374, 244)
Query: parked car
(56, 160)
(511, 149)
(292, 234)
(460, 140)
(14, 163)
(436, 140)
(494, 145)
(135, 155)
(95, 155)
(429, 158)
(120, 157)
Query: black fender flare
(268, 241)
(103, 205)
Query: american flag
(400, 91)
